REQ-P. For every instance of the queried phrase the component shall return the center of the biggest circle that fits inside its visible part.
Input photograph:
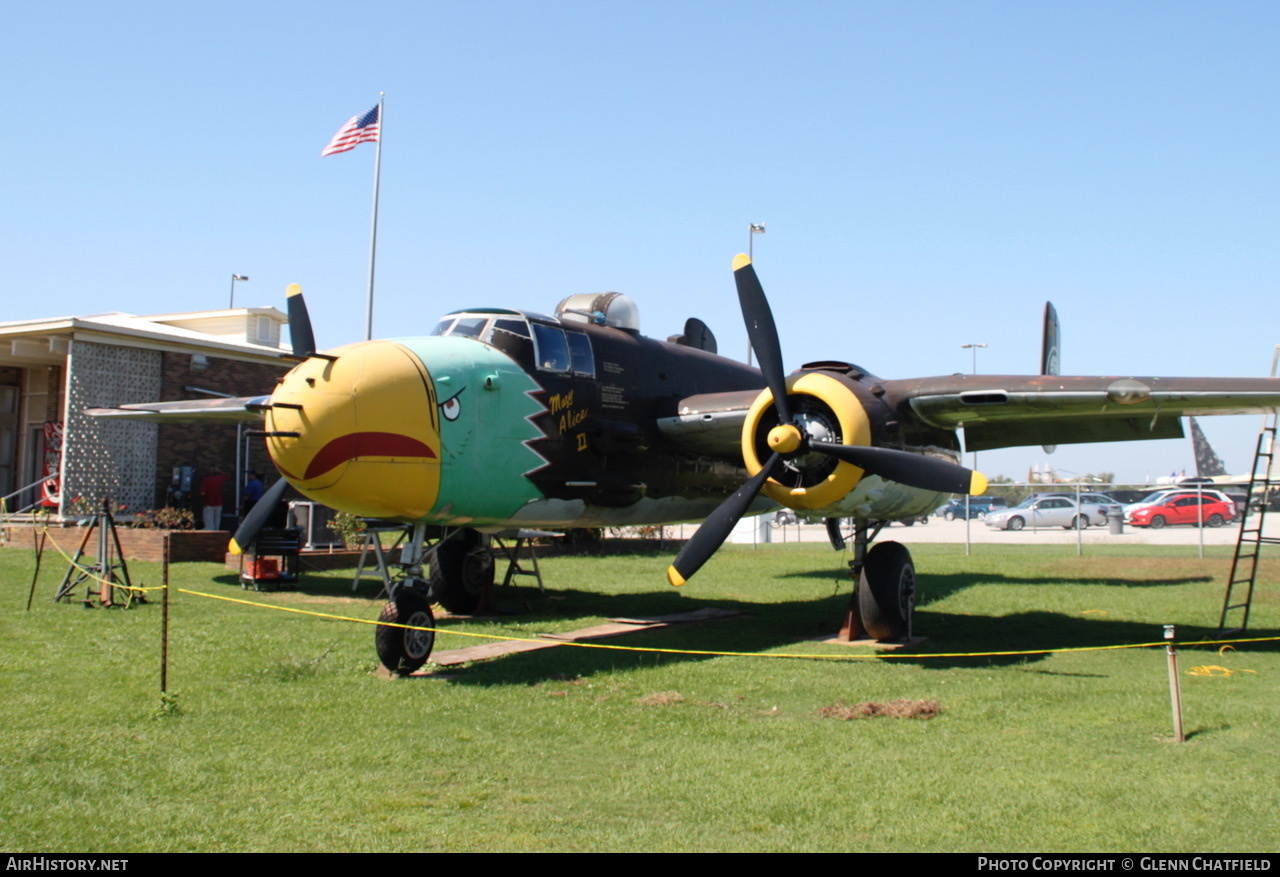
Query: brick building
(51, 453)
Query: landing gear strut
(881, 605)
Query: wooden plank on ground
(616, 627)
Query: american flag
(359, 129)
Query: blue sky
(929, 174)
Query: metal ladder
(1244, 565)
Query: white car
(1040, 511)
(1094, 506)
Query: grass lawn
(284, 739)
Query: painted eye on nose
(451, 407)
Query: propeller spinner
(795, 436)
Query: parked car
(1184, 509)
(1159, 497)
(1093, 505)
(979, 507)
(911, 522)
(1040, 511)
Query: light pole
(974, 348)
(234, 278)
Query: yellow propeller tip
(674, 577)
(741, 260)
(977, 484)
(292, 289)
(234, 547)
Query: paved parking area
(938, 530)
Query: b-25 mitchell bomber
(503, 419)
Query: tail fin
(1208, 464)
(1049, 350)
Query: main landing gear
(882, 603)
(456, 572)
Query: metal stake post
(1175, 692)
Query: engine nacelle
(825, 408)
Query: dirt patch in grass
(661, 698)
(898, 709)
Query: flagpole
(373, 233)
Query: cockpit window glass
(580, 353)
(552, 350)
(443, 327)
(469, 327)
(515, 327)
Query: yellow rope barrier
(710, 653)
(701, 652)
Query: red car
(1184, 510)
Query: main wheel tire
(1157, 522)
(1016, 523)
(885, 591)
(1216, 520)
(461, 571)
(402, 650)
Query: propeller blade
(904, 467)
(762, 331)
(257, 518)
(304, 340)
(715, 529)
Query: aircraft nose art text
(357, 430)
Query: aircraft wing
(242, 408)
(1002, 411)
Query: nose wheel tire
(885, 591)
(401, 649)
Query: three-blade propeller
(789, 440)
(304, 345)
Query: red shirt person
(211, 496)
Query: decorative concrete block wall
(106, 457)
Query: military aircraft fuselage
(506, 418)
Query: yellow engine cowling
(830, 411)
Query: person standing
(211, 496)
(252, 492)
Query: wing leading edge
(1001, 411)
(242, 408)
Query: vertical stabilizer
(1050, 346)
(1208, 464)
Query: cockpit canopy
(534, 341)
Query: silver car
(1094, 506)
(1040, 511)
